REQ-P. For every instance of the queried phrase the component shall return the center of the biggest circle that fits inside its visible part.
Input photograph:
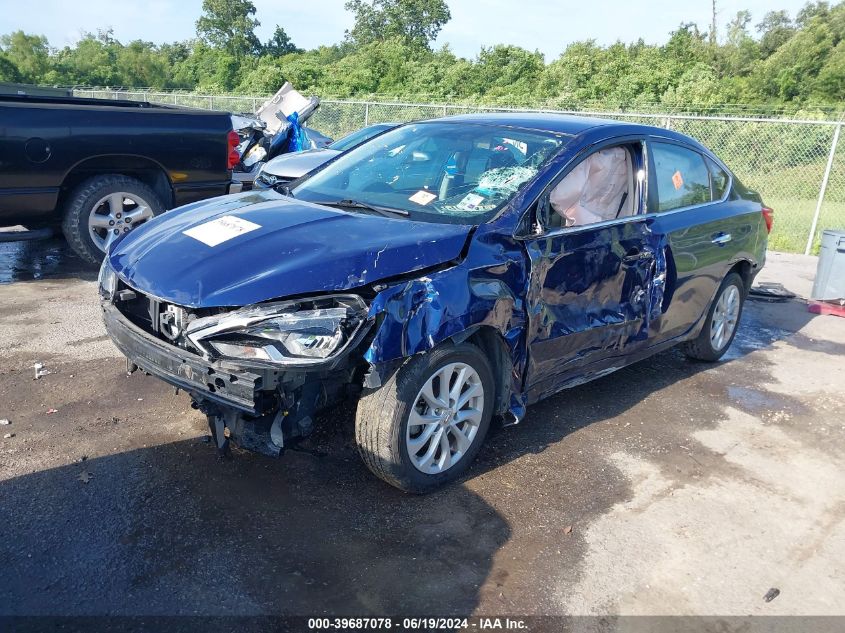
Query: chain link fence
(798, 166)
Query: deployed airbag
(596, 190)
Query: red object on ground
(826, 307)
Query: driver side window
(603, 186)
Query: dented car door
(594, 289)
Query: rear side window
(681, 176)
(719, 179)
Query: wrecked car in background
(443, 273)
(284, 169)
(275, 129)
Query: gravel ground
(670, 487)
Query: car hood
(298, 163)
(297, 248)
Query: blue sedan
(441, 274)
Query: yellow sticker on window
(677, 180)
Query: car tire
(725, 312)
(91, 206)
(394, 448)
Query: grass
(793, 219)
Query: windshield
(356, 138)
(454, 173)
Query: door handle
(721, 239)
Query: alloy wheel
(115, 214)
(725, 317)
(445, 418)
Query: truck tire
(103, 207)
(722, 322)
(405, 428)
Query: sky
(547, 25)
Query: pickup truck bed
(62, 157)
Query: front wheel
(722, 322)
(426, 424)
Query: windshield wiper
(356, 204)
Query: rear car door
(706, 231)
(592, 271)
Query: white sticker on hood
(221, 230)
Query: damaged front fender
(484, 290)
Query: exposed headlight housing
(107, 280)
(302, 332)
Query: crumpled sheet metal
(580, 285)
(277, 109)
(592, 302)
(481, 291)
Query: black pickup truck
(100, 167)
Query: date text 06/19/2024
(417, 624)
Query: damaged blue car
(443, 274)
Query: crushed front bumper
(234, 388)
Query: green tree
(686, 46)
(418, 22)
(209, 69)
(508, 73)
(30, 54)
(797, 64)
(569, 77)
(92, 61)
(307, 71)
(141, 65)
(699, 87)
(230, 26)
(829, 86)
(789, 73)
(812, 10)
(741, 51)
(264, 77)
(8, 70)
(280, 44)
(775, 29)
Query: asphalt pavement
(669, 487)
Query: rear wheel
(426, 424)
(102, 208)
(722, 322)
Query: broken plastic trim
(287, 333)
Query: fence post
(668, 124)
(444, 110)
(812, 236)
(366, 114)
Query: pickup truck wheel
(104, 207)
(722, 322)
(426, 424)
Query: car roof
(546, 121)
(568, 124)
